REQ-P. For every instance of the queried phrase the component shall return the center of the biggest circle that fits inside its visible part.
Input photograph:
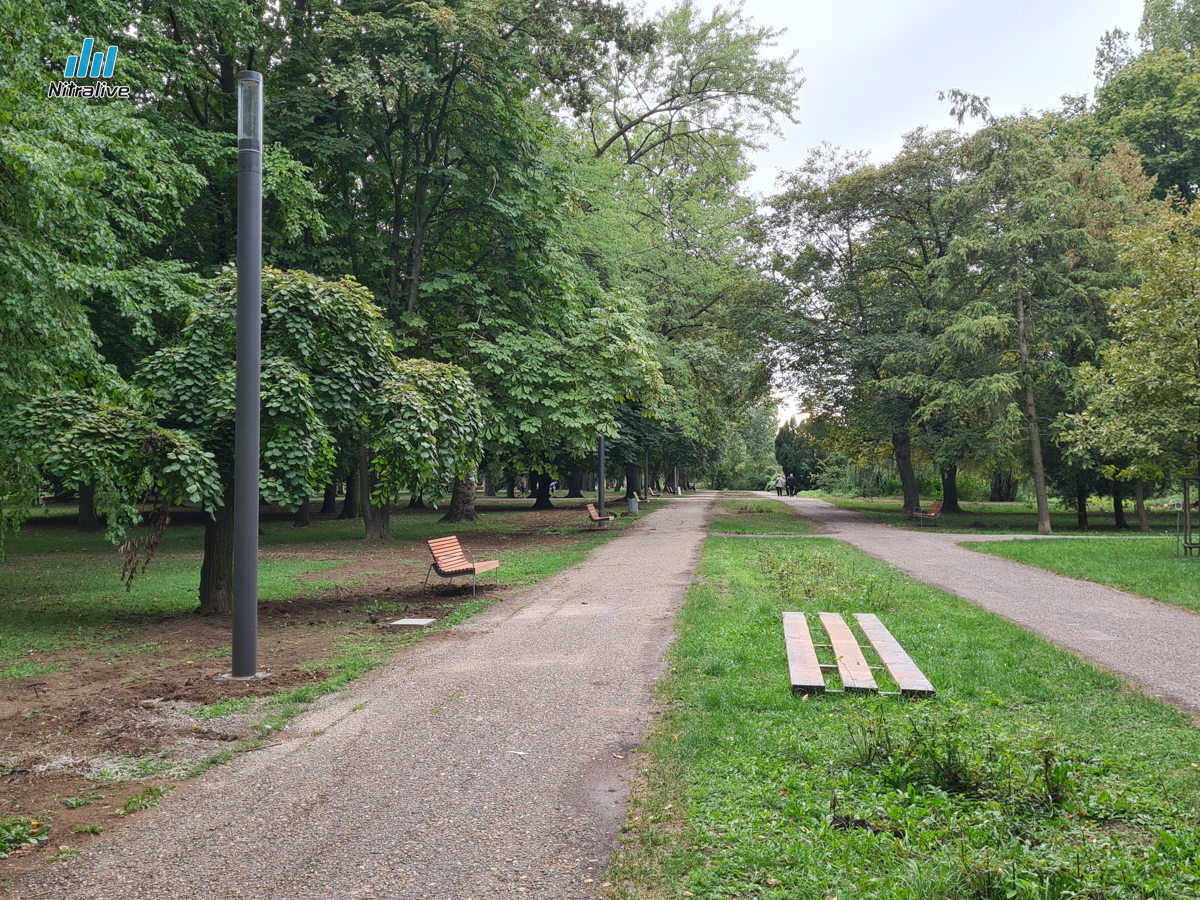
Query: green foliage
(1144, 395)
(147, 799)
(16, 833)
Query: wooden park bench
(808, 672)
(450, 561)
(596, 517)
(935, 513)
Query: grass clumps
(1145, 566)
(17, 833)
(1030, 776)
(147, 799)
(758, 517)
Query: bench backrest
(936, 508)
(448, 554)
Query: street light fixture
(249, 365)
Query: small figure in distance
(791, 485)
(779, 484)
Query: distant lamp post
(249, 366)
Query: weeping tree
(328, 369)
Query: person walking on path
(791, 485)
(491, 761)
(779, 484)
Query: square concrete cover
(412, 623)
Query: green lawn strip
(48, 605)
(1014, 518)
(1030, 775)
(1148, 567)
(758, 517)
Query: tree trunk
(415, 500)
(376, 518)
(1035, 438)
(216, 571)
(417, 224)
(541, 488)
(329, 501)
(902, 450)
(462, 502)
(1139, 499)
(350, 505)
(633, 482)
(511, 486)
(88, 520)
(1004, 488)
(1118, 496)
(1081, 498)
(950, 490)
(574, 483)
(302, 519)
(489, 484)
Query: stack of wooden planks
(808, 672)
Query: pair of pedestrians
(789, 483)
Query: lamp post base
(257, 676)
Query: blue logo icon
(91, 65)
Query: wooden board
(802, 656)
(904, 671)
(852, 665)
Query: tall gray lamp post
(249, 366)
(600, 494)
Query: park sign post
(249, 368)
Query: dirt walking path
(1153, 644)
(491, 762)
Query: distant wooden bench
(935, 513)
(807, 672)
(596, 517)
(450, 561)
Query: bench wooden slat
(595, 516)
(803, 665)
(910, 679)
(852, 665)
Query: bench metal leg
(427, 573)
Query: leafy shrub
(18, 833)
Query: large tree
(328, 369)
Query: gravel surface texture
(490, 762)
(1153, 644)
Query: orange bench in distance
(450, 561)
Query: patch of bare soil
(122, 717)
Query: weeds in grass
(231, 707)
(28, 669)
(63, 854)
(147, 799)
(1030, 776)
(89, 829)
(17, 833)
(76, 802)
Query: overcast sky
(874, 67)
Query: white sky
(874, 67)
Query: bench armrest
(472, 553)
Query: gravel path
(489, 762)
(1153, 644)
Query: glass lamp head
(250, 104)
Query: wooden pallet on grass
(807, 672)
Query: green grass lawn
(1031, 775)
(1139, 565)
(1003, 518)
(758, 517)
